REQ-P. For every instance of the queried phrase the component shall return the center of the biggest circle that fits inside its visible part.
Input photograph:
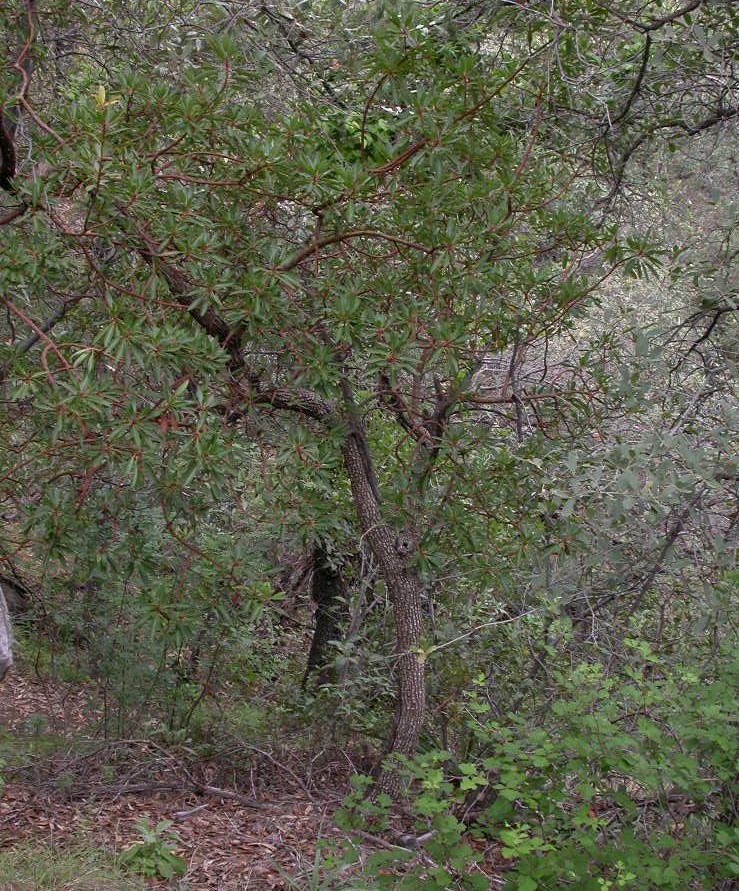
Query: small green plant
(329, 871)
(622, 879)
(154, 856)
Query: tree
(204, 238)
(6, 637)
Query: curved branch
(47, 325)
(655, 24)
(637, 83)
(339, 237)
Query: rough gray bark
(6, 637)
(393, 553)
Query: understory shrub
(627, 782)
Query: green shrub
(627, 783)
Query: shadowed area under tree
(329, 594)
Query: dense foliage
(435, 303)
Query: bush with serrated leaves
(628, 782)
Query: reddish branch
(182, 287)
(23, 66)
(50, 345)
(339, 237)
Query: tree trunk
(6, 637)
(393, 553)
(329, 593)
(17, 597)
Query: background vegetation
(369, 382)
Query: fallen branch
(244, 800)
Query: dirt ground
(95, 792)
(247, 818)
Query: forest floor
(71, 791)
(247, 819)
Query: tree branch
(181, 287)
(655, 24)
(356, 430)
(40, 330)
(637, 84)
(339, 237)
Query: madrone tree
(309, 226)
